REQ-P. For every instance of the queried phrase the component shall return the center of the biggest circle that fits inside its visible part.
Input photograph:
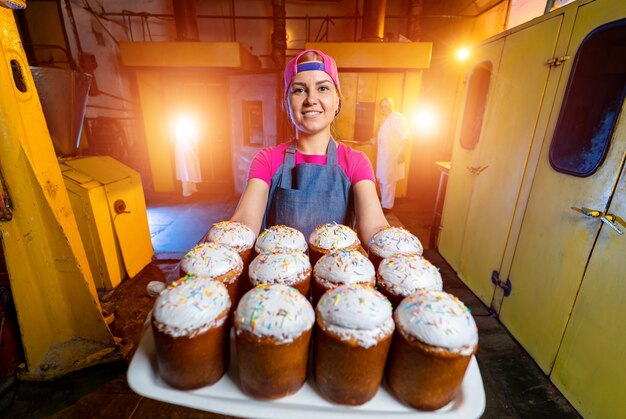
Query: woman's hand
(369, 213)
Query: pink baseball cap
(328, 66)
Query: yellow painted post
(343, 128)
(159, 148)
(412, 88)
(366, 92)
(61, 326)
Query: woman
(313, 180)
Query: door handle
(608, 219)
(476, 170)
(588, 212)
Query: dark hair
(310, 56)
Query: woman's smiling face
(313, 101)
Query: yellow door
(465, 152)
(590, 369)
(127, 207)
(204, 98)
(517, 94)
(555, 241)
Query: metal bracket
(476, 170)
(492, 312)
(557, 61)
(506, 286)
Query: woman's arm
(251, 207)
(369, 213)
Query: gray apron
(307, 195)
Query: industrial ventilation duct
(373, 29)
(186, 20)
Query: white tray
(225, 396)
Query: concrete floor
(514, 386)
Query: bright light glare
(463, 54)
(425, 121)
(185, 128)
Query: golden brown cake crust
(188, 363)
(375, 259)
(268, 370)
(344, 371)
(394, 299)
(304, 286)
(424, 376)
(246, 256)
(226, 279)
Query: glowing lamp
(185, 129)
(425, 121)
(463, 53)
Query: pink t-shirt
(354, 163)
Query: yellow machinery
(62, 328)
(108, 202)
(542, 245)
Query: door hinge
(557, 61)
(506, 286)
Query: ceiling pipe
(414, 29)
(186, 20)
(279, 33)
(373, 29)
(279, 51)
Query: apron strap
(290, 161)
(331, 153)
(288, 165)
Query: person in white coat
(393, 140)
(187, 162)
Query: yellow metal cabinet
(520, 86)
(461, 177)
(108, 201)
(555, 242)
(567, 268)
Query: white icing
(233, 234)
(333, 236)
(404, 275)
(395, 240)
(438, 319)
(191, 306)
(281, 267)
(356, 313)
(280, 236)
(276, 311)
(344, 267)
(209, 260)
